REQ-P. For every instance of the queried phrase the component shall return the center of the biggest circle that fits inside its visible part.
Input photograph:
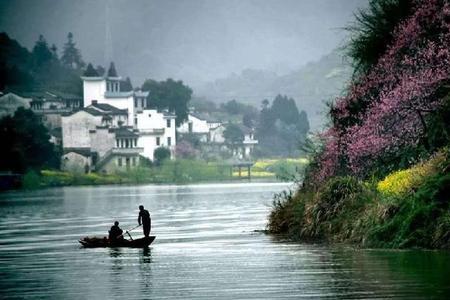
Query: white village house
(196, 125)
(210, 132)
(114, 128)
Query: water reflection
(206, 248)
(145, 272)
(146, 256)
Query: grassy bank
(179, 171)
(285, 169)
(407, 208)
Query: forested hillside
(312, 86)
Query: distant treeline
(42, 68)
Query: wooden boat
(95, 242)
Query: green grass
(170, 171)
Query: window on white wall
(168, 123)
(158, 141)
(169, 141)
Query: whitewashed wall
(75, 129)
(198, 125)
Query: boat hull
(97, 242)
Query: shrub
(287, 213)
(334, 207)
(31, 180)
(405, 181)
(327, 213)
(160, 154)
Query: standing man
(145, 220)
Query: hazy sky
(195, 40)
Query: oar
(128, 232)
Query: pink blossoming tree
(387, 109)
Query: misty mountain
(311, 86)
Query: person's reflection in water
(115, 252)
(117, 270)
(145, 271)
(146, 255)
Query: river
(206, 248)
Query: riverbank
(170, 172)
(408, 208)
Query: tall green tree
(71, 57)
(303, 123)
(42, 54)
(169, 94)
(26, 143)
(281, 128)
(233, 134)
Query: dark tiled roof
(205, 117)
(123, 132)
(67, 95)
(92, 111)
(90, 71)
(107, 108)
(45, 95)
(112, 70)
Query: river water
(206, 248)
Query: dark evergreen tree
(281, 128)
(54, 50)
(303, 123)
(42, 55)
(71, 57)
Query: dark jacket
(115, 232)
